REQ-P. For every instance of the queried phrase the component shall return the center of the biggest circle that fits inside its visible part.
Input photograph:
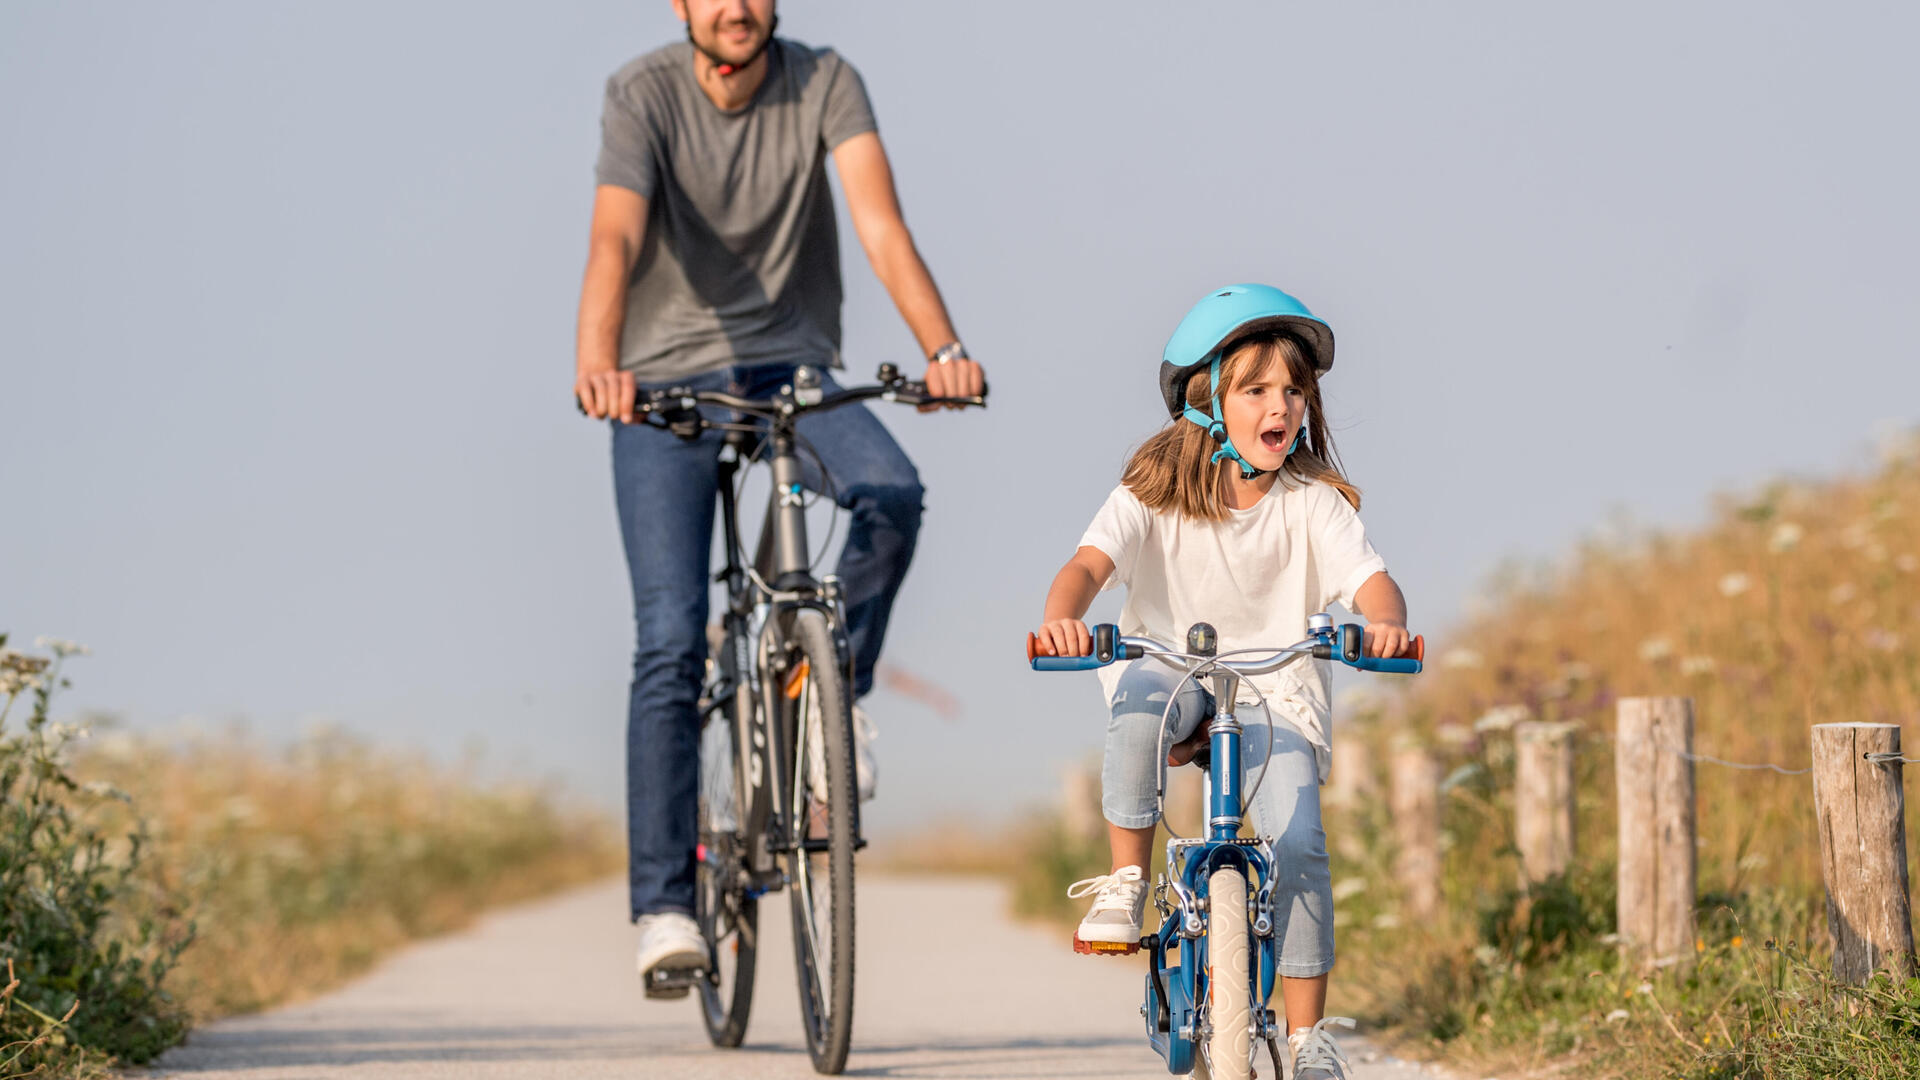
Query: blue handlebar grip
(1394, 666)
(1108, 632)
(1066, 663)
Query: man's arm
(867, 180)
(619, 224)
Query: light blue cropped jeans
(1285, 810)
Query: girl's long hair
(1171, 470)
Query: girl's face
(1264, 413)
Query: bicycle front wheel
(815, 697)
(1229, 977)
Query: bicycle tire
(1229, 976)
(728, 917)
(824, 969)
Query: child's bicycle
(1211, 970)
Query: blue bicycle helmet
(1221, 317)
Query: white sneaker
(1315, 1055)
(671, 948)
(864, 767)
(1119, 902)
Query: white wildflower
(1656, 649)
(1907, 563)
(1752, 862)
(239, 810)
(1386, 920)
(1842, 593)
(1460, 658)
(1616, 1016)
(1696, 665)
(1644, 988)
(1348, 888)
(1734, 584)
(1884, 640)
(61, 646)
(1487, 955)
(1502, 717)
(1786, 537)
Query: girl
(1236, 514)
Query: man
(714, 263)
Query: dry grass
(301, 868)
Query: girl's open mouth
(1274, 440)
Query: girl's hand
(1063, 637)
(1386, 638)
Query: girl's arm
(1380, 601)
(1061, 632)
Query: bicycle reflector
(797, 679)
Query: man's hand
(605, 393)
(1386, 638)
(1063, 637)
(959, 377)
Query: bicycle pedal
(669, 984)
(1105, 948)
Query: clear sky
(287, 295)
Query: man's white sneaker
(864, 767)
(671, 953)
(1112, 925)
(1315, 1055)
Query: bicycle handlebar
(792, 400)
(1343, 646)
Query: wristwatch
(948, 353)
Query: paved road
(948, 987)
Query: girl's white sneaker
(1119, 902)
(1316, 1056)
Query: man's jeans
(665, 490)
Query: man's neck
(729, 92)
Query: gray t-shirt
(741, 260)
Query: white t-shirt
(1256, 577)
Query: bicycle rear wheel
(814, 695)
(728, 916)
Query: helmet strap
(1216, 427)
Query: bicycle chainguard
(1105, 948)
(668, 984)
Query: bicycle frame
(1179, 966)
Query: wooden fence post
(1658, 850)
(1415, 798)
(1543, 798)
(1352, 781)
(1863, 849)
(1080, 815)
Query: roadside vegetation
(1797, 605)
(149, 883)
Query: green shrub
(88, 942)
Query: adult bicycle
(778, 807)
(1211, 963)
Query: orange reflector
(797, 679)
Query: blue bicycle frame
(1179, 967)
